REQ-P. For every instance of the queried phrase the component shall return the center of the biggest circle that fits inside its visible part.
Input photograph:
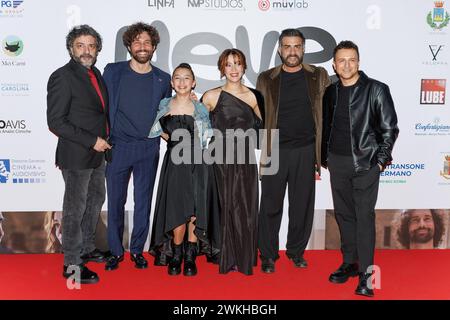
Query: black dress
(237, 188)
(182, 191)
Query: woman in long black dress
(180, 210)
(235, 106)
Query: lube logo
(432, 91)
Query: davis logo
(438, 18)
(12, 46)
(446, 172)
(22, 171)
(432, 91)
(5, 170)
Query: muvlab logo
(265, 5)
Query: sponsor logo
(435, 51)
(13, 127)
(12, 46)
(161, 4)
(445, 173)
(432, 91)
(399, 172)
(282, 5)
(11, 8)
(14, 89)
(434, 128)
(217, 4)
(438, 18)
(22, 171)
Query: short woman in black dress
(235, 106)
(180, 217)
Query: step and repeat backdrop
(403, 43)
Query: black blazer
(75, 114)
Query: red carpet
(413, 274)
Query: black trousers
(354, 199)
(297, 170)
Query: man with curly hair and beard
(135, 88)
(421, 229)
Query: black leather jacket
(373, 122)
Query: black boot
(174, 267)
(190, 269)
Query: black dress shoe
(95, 256)
(174, 267)
(363, 287)
(299, 261)
(161, 259)
(112, 262)
(267, 265)
(345, 271)
(85, 276)
(139, 261)
(190, 254)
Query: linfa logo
(161, 4)
(438, 18)
(432, 91)
(12, 46)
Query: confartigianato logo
(22, 171)
(432, 128)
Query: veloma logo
(5, 170)
(264, 5)
(438, 18)
(12, 46)
(436, 56)
(446, 172)
(432, 91)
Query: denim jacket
(201, 117)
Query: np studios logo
(235, 5)
(161, 4)
(265, 5)
(432, 91)
(11, 8)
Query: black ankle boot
(190, 269)
(174, 267)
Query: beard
(86, 60)
(418, 237)
(290, 62)
(142, 59)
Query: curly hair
(134, 30)
(403, 231)
(83, 30)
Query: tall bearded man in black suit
(77, 104)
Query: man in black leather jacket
(359, 131)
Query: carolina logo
(438, 18)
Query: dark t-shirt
(295, 118)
